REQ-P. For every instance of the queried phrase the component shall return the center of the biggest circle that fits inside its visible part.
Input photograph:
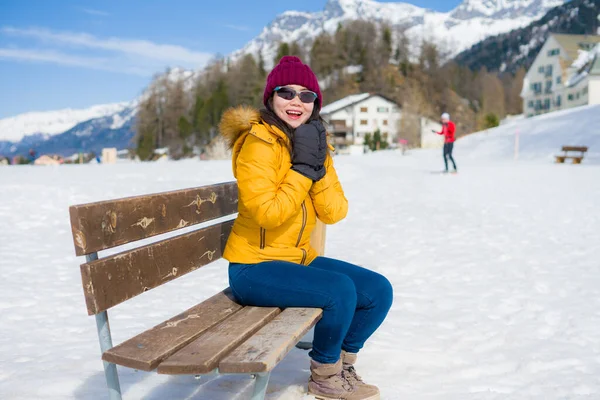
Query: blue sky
(66, 53)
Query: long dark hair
(268, 115)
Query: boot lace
(351, 376)
(347, 383)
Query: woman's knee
(381, 291)
(343, 293)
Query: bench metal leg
(110, 369)
(260, 387)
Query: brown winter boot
(348, 361)
(328, 382)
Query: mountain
(50, 123)
(510, 51)
(86, 130)
(502, 9)
(455, 31)
(67, 131)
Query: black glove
(310, 150)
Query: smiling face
(293, 112)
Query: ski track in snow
(495, 270)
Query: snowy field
(496, 273)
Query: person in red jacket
(448, 130)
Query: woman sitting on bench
(286, 181)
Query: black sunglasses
(287, 93)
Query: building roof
(350, 101)
(573, 43)
(587, 63)
(345, 102)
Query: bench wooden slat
(268, 346)
(203, 354)
(112, 280)
(102, 225)
(146, 350)
(582, 149)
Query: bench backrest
(103, 225)
(574, 148)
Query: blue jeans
(355, 300)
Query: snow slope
(495, 272)
(540, 137)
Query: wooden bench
(215, 336)
(576, 159)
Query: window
(548, 87)
(385, 122)
(541, 69)
(553, 52)
(536, 87)
(571, 97)
(546, 104)
(548, 70)
(383, 109)
(363, 122)
(530, 104)
(364, 109)
(558, 80)
(538, 105)
(558, 101)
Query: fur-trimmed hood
(237, 121)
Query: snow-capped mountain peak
(499, 9)
(455, 31)
(50, 123)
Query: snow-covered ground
(496, 274)
(539, 138)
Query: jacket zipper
(263, 233)
(304, 219)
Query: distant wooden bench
(576, 159)
(215, 336)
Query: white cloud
(91, 11)
(237, 27)
(130, 54)
(54, 57)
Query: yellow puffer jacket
(278, 207)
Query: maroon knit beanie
(291, 71)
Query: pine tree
(296, 50)
(282, 50)
(185, 128)
(322, 55)
(245, 82)
(261, 65)
(491, 121)
(386, 44)
(146, 125)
